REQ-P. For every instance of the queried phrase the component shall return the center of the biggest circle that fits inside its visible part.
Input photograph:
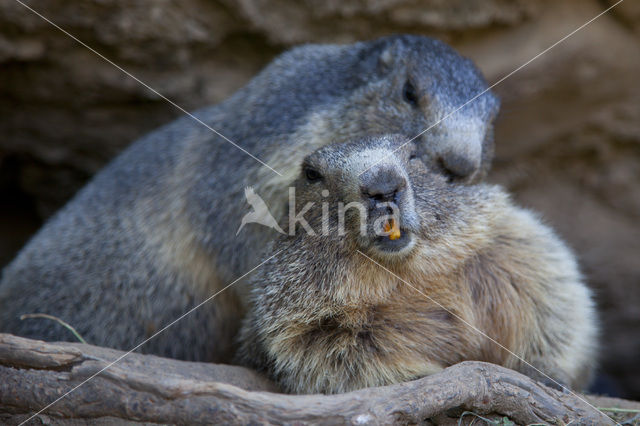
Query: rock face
(568, 139)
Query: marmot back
(409, 290)
(153, 234)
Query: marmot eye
(409, 94)
(312, 175)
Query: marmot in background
(153, 234)
(332, 313)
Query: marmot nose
(458, 167)
(382, 185)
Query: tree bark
(146, 388)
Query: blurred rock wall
(568, 139)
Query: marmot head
(360, 196)
(421, 83)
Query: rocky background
(568, 139)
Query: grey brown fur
(153, 234)
(325, 318)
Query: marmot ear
(386, 58)
(390, 55)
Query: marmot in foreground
(334, 313)
(154, 233)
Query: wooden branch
(146, 388)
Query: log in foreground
(146, 388)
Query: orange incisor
(392, 229)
